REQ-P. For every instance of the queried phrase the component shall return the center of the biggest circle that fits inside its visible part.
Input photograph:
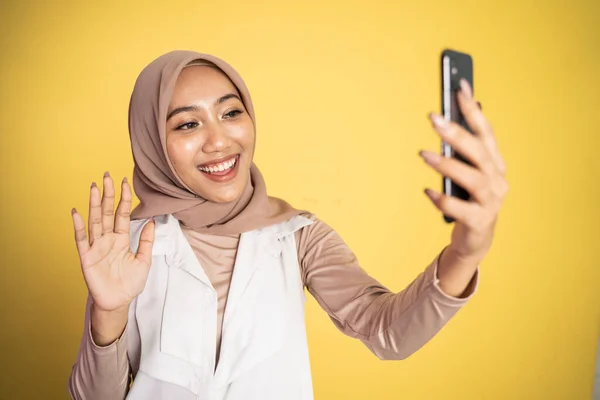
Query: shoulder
(318, 226)
(317, 238)
(316, 231)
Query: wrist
(455, 272)
(459, 257)
(117, 311)
(107, 326)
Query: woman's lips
(222, 170)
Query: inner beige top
(216, 255)
(391, 325)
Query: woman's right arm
(101, 371)
(114, 277)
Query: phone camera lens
(454, 70)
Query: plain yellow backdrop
(341, 91)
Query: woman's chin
(226, 198)
(222, 193)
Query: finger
(472, 112)
(122, 217)
(469, 146)
(471, 179)
(108, 204)
(144, 252)
(480, 126)
(460, 210)
(80, 237)
(95, 215)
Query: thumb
(144, 252)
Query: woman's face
(210, 136)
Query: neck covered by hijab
(155, 181)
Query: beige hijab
(155, 181)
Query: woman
(168, 310)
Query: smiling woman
(201, 293)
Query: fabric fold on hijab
(155, 181)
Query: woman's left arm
(484, 180)
(395, 325)
(392, 325)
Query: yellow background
(341, 92)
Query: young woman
(199, 292)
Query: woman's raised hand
(113, 274)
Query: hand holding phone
(473, 191)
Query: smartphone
(454, 66)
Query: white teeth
(220, 167)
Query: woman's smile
(222, 170)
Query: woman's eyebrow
(227, 97)
(221, 99)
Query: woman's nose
(217, 139)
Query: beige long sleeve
(99, 372)
(392, 325)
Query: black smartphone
(454, 66)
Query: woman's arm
(391, 325)
(114, 276)
(100, 372)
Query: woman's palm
(113, 274)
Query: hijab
(155, 182)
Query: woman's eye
(232, 114)
(186, 126)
